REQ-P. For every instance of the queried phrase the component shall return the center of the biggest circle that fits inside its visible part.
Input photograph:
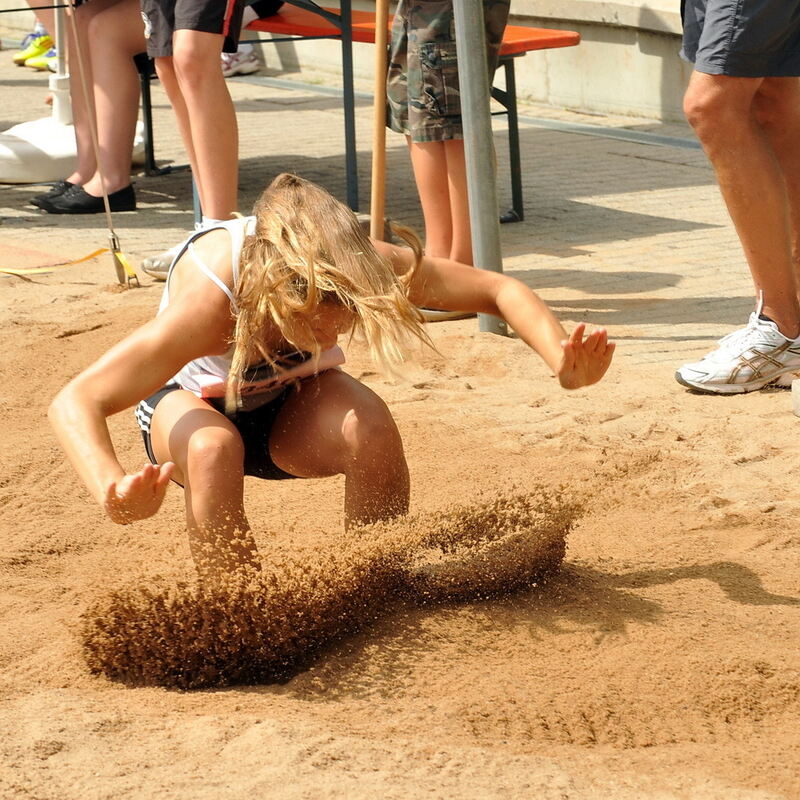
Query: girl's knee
(371, 432)
(214, 451)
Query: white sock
(244, 49)
(39, 29)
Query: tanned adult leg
(721, 109)
(85, 164)
(777, 109)
(117, 34)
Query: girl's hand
(585, 361)
(137, 496)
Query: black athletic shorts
(264, 8)
(163, 17)
(742, 38)
(254, 427)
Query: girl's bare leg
(335, 425)
(209, 457)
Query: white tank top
(206, 377)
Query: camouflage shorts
(422, 83)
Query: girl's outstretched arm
(440, 283)
(132, 370)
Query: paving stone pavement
(628, 234)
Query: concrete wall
(627, 62)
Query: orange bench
(300, 22)
(306, 20)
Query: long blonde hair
(308, 248)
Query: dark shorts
(163, 17)
(742, 38)
(422, 82)
(254, 427)
(264, 8)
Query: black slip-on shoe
(58, 188)
(77, 201)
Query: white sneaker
(158, 266)
(239, 64)
(746, 360)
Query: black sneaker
(58, 188)
(77, 201)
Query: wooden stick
(378, 188)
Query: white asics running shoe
(746, 360)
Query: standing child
(244, 304)
(424, 104)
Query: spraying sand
(265, 627)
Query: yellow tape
(52, 267)
(126, 265)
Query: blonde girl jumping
(237, 375)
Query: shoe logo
(760, 363)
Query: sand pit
(661, 660)
(270, 626)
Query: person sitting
(244, 61)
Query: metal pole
(473, 78)
(351, 156)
